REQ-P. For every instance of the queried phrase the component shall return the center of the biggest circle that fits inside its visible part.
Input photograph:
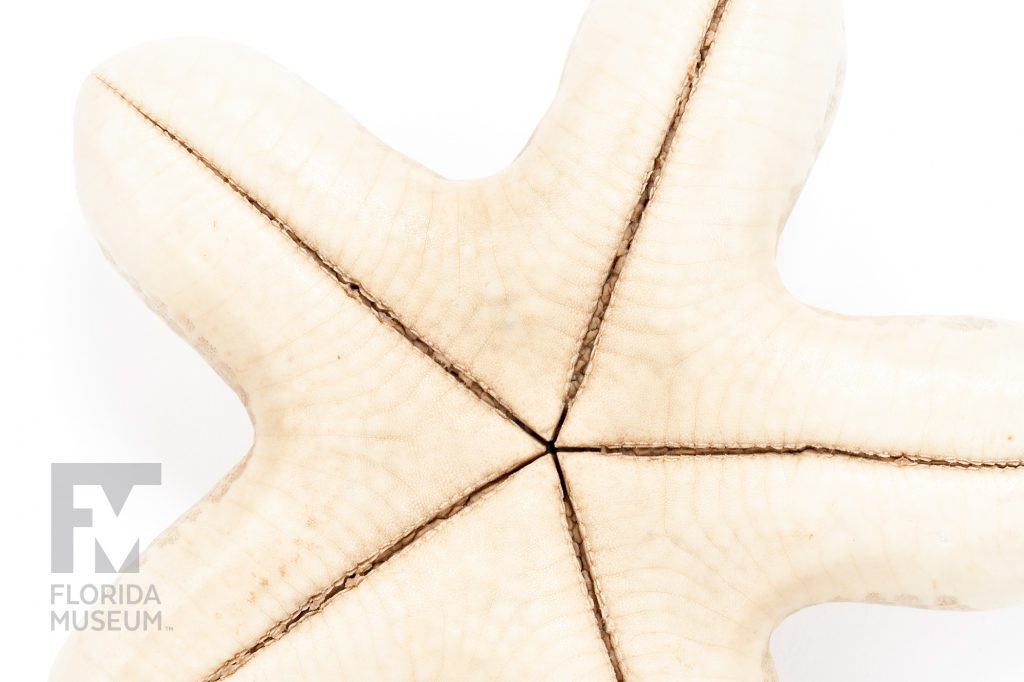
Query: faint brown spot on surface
(909, 600)
(225, 483)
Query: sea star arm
(493, 593)
(497, 276)
(724, 547)
(738, 363)
(786, 456)
(360, 438)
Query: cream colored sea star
(563, 423)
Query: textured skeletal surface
(563, 423)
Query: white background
(915, 207)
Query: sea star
(563, 423)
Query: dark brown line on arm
(576, 537)
(319, 601)
(893, 458)
(349, 285)
(586, 350)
